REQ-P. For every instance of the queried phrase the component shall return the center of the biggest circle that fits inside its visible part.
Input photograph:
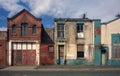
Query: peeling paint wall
(71, 42)
(107, 30)
(97, 41)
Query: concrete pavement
(60, 68)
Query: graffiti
(98, 31)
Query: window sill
(80, 58)
(51, 51)
(80, 38)
(115, 59)
(14, 34)
(33, 33)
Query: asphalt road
(61, 73)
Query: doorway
(60, 54)
(103, 57)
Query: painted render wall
(107, 30)
(72, 41)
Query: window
(14, 29)
(79, 27)
(24, 29)
(80, 51)
(116, 51)
(115, 46)
(34, 29)
(50, 48)
(60, 31)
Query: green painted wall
(97, 41)
(115, 40)
(78, 62)
(113, 62)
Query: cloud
(38, 7)
(11, 6)
(102, 9)
(3, 29)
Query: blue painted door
(61, 54)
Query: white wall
(107, 30)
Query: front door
(61, 54)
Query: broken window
(80, 51)
(116, 51)
(80, 27)
(60, 31)
(24, 29)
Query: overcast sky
(50, 9)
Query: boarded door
(61, 54)
(18, 57)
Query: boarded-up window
(80, 51)
(50, 48)
(116, 45)
(116, 51)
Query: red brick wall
(3, 53)
(46, 57)
(24, 17)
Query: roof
(3, 35)
(24, 10)
(72, 19)
(111, 20)
(47, 36)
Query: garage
(23, 53)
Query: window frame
(80, 27)
(60, 30)
(24, 29)
(14, 28)
(34, 27)
(82, 51)
(116, 51)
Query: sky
(50, 9)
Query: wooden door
(61, 54)
(18, 57)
